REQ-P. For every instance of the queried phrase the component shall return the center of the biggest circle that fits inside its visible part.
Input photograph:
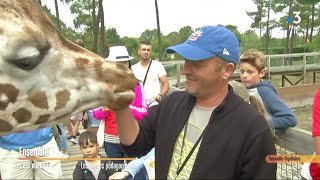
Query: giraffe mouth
(115, 101)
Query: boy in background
(252, 70)
(91, 169)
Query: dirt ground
(304, 116)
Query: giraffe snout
(120, 77)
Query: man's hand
(128, 127)
(158, 98)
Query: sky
(132, 17)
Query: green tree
(57, 14)
(67, 32)
(249, 40)
(235, 30)
(112, 37)
(82, 9)
(102, 29)
(268, 27)
(86, 21)
(313, 4)
(132, 46)
(257, 16)
(149, 35)
(286, 7)
(184, 33)
(261, 19)
(95, 26)
(155, 49)
(173, 37)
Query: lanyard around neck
(191, 151)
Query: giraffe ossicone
(44, 78)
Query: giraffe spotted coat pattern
(44, 78)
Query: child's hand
(119, 175)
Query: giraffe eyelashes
(27, 63)
(27, 58)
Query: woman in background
(139, 108)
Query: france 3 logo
(294, 22)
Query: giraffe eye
(28, 62)
(27, 58)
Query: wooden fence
(297, 65)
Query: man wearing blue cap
(207, 131)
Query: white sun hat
(118, 54)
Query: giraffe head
(45, 78)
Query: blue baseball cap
(209, 41)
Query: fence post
(269, 68)
(304, 68)
(178, 75)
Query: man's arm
(128, 128)
(282, 115)
(163, 78)
(165, 88)
(165, 85)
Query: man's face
(250, 75)
(144, 51)
(203, 77)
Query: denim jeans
(142, 174)
(115, 151)
(137, 170)
(63, 138)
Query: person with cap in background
(206, 131)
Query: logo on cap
(196, 34)
(225, 51)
